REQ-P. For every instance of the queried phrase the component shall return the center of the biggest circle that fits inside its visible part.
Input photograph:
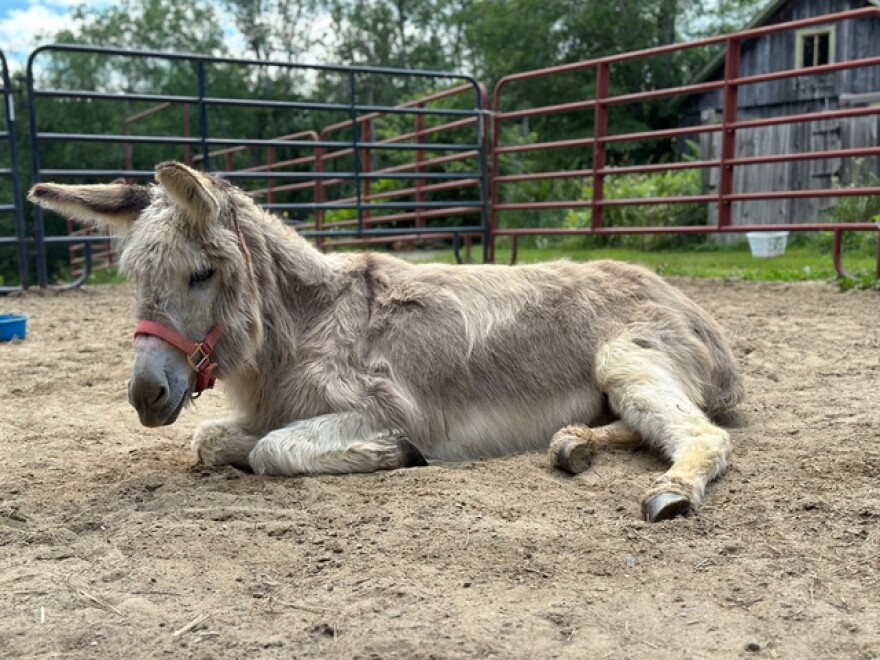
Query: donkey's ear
(112, 206)
(191, 190)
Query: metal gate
(10, 200)
(354, 168)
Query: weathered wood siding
(855, 39)
(802, 175)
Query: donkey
(341, 363)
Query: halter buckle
(198, 358)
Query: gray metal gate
(10, 199)
(356, 168)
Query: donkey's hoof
(573, 456)
(410, 455)
(666, 506)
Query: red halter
(198, 355)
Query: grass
(807, 261)
(106, 277)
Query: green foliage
(276, 29)
(109, 276)
(393, 33)
(550, 33)
(402, 34)
(856, 209)
(862, 282)
(714, 261)
(674, 183)
(800, 263)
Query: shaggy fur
(341, 363)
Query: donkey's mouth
(176, 412)
(164, 417)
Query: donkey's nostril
(163, 394)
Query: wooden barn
(824, 44)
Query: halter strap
(198, 354)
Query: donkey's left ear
(112, 206)
(189, 189)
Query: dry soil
(113, 544)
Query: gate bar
(16, 208)
(730, 124)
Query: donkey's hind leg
(573, 447)
(648, 393)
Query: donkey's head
(182, 243)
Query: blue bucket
(12, 327)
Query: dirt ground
(114, 544)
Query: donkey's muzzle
(157, 401)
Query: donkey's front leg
(333, 444)
(223, 442)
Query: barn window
(815, 47)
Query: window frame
(811, 33)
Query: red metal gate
(726, 165)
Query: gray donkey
(360, 362)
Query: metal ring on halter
(202, 360)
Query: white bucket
(767, 243)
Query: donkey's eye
(200, 277)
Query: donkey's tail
(727, 389)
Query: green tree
(409, 34)
(403, 34)
(280, 29)
(711, 17)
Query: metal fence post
(728, 132)
(355, 151)
(600, 130)
(492, 172)
(39, 226)
(17, 209)
(203, 114)
(484, 115)
(319, 195)
(366, 164)
(420, 156)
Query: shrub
(855, 209)
(675, 183)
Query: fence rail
(349, 142)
